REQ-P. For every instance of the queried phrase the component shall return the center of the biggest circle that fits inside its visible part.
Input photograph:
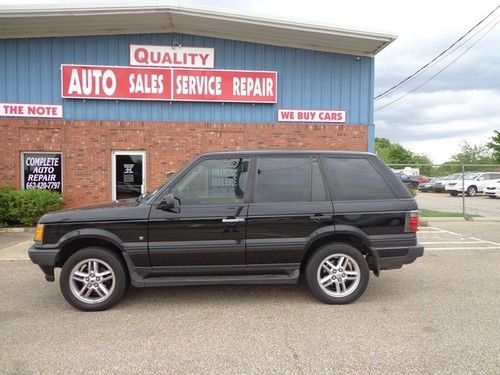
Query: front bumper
(46, 260)
(403, 256)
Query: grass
(435, 213)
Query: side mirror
(167, 203)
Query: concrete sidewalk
(14, 245)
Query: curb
(493, 219)
(17, 229)
(426, 221)
(442, 219)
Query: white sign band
(30, 110)
(301, 115)
(169, 56)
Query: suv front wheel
(337, 273)
(93, 279)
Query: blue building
(138, 88)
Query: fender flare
(344, 230)
(90, 233)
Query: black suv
(254, 217)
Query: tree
(494, 146)
(392, 153)
(472, 154)
(395, 154)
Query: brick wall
(87, 145)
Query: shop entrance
(128, 172)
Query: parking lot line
(432, 244)
(490, 242)
(453, 242)
(464, 248)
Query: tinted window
(213, 182)
(318, 186)
(356, 179)
(289, 180)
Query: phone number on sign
(43, 185)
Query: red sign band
(131, 83)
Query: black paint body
(270, 239)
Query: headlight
(39, 233)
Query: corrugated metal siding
(30, 73)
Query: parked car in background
(422, 179)
(427, 186)
(492, 189)
(441, 182)
(410, 181)
(472, 184)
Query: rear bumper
(46, 260)
(389, 259)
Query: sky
(460, 104)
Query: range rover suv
(254, 217)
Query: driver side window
(211, 182)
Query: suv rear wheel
(337, 273)
(93, 279)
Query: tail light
(411, 224)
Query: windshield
(471, 176)
(168, 176)
(453, 176)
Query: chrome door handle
(232, 220)
(318, 218)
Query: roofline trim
(307, 29)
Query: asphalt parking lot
(439, 315)
(479, 205)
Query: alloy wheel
(92, 281)
(338, 275)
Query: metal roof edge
(382, 39)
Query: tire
(453, 193)
(107, 285)
(471, 191)
(331, 291)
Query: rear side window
(356, 179)
(288, 180)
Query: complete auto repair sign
(168, 74)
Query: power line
(437, 57)
(439, 72)
(451, 51)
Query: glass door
(128, 174)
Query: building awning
(141, 17)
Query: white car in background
(493, 189)
(472, 184)
(440, 184)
